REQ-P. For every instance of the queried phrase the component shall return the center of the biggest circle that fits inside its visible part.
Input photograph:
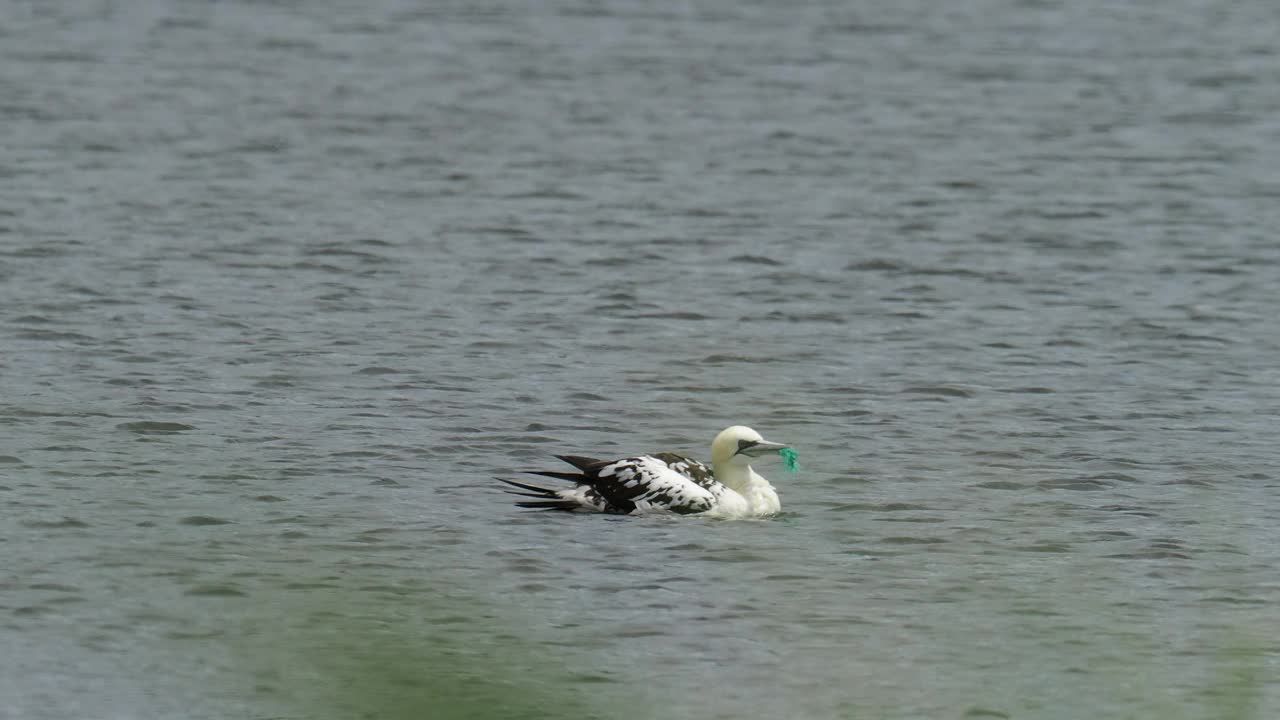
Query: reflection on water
(329, 655)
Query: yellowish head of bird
(739, 445)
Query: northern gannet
(665, 482)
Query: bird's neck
(739, 478)
(761, 498)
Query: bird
(664, 482)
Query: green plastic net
(790, 459)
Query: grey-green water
(285, 284)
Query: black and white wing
(662, 483)
(690, 468)
(648, 485)
(698, 473)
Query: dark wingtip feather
(580, 462)
(548, 505)
(536, 496)
(572, 477)
(542, 492)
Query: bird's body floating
(666, 482)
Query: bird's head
(739, 445)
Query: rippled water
(285, 285)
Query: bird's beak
(763, 447)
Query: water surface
(285, 285)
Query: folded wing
(690, 468)
(648, 484)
